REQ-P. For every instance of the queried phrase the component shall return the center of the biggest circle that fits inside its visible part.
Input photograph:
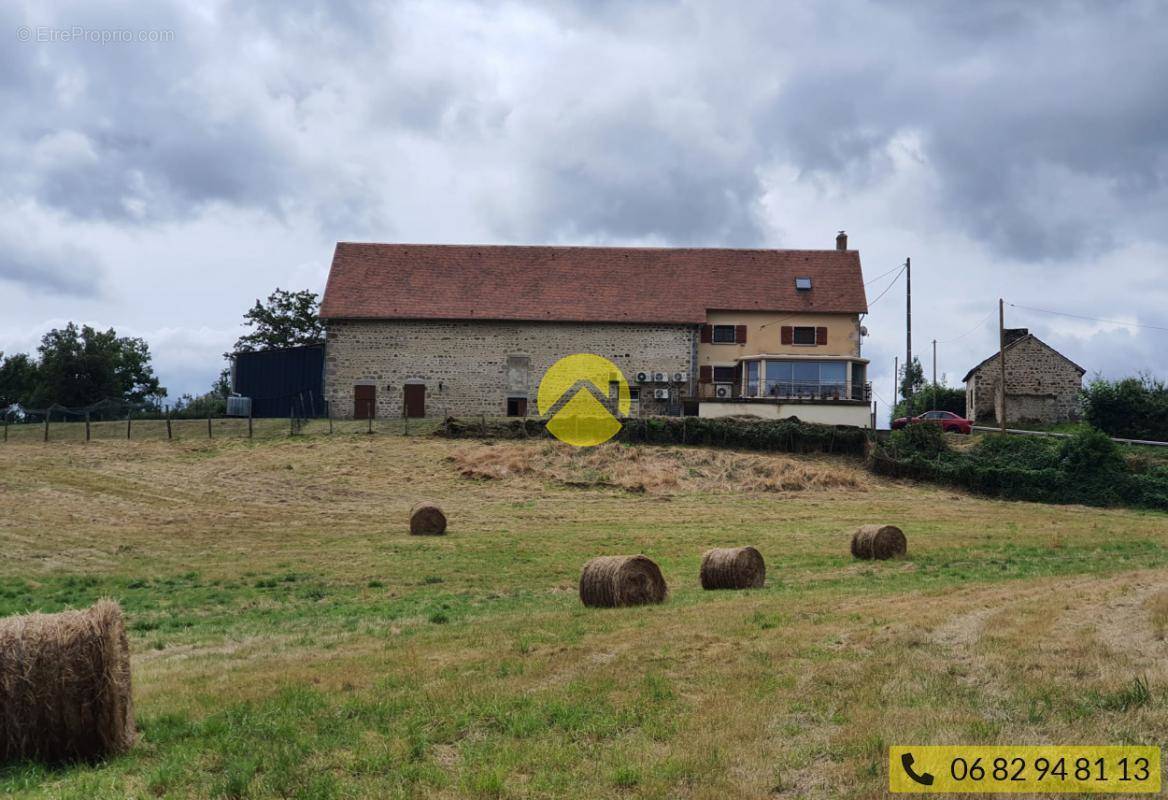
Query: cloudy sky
(160, 185)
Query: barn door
(415, 400)
(364, 402)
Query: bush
(1021, 452)
(923, 440)
(1091, 454)
(1132, 408)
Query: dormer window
(803, 284)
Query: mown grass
(291, 640)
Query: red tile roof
(584, 284)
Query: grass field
(291, 640)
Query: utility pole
(908, 324)
(895, 378)
(1002, 360)
(934, 374)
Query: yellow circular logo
(583, 396)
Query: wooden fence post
(168, 431)
(87, 426)
(128, 413)
(47, 413)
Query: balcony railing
(796, 390)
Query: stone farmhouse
(1042, 385)
(437, 330)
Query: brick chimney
(841, 240)
(1014, 334)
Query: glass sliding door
(833, 380)
(778, 379)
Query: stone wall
(1042, 386)
(472, 368)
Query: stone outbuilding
(1042, 385)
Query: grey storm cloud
(48, 268)
(1045, 124)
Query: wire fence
(110, 420)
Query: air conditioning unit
(660, 377)
(660, 394)
(723, 391)
(644, 377)
(681, 377)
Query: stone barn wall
(472, 367)
(1042, 386)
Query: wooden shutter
(821, 335)
(740, 334)
(705, 374)
(707, 334)
(787, 334)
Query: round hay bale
(733, 568)
(65, 686)
(612, 581)
(879, 541)
(427, 519)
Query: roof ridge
(633, 248)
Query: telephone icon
(925, 779)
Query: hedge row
(783, 436)
(1086, 469)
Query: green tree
(222, 385)
(80, 366)
(287, 319)
(912, 378)
(18, 379)
(212, 403)
(932, 397)
(1131, 408)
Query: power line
(888, 288)
(878, 277)
(1090, 319)
(984, 320)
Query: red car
(949, 422)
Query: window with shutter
(803, 335)
(787, 334)
(705, 374)
(707, 332)
(724, 334)
(821, 336)
(740, 334)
